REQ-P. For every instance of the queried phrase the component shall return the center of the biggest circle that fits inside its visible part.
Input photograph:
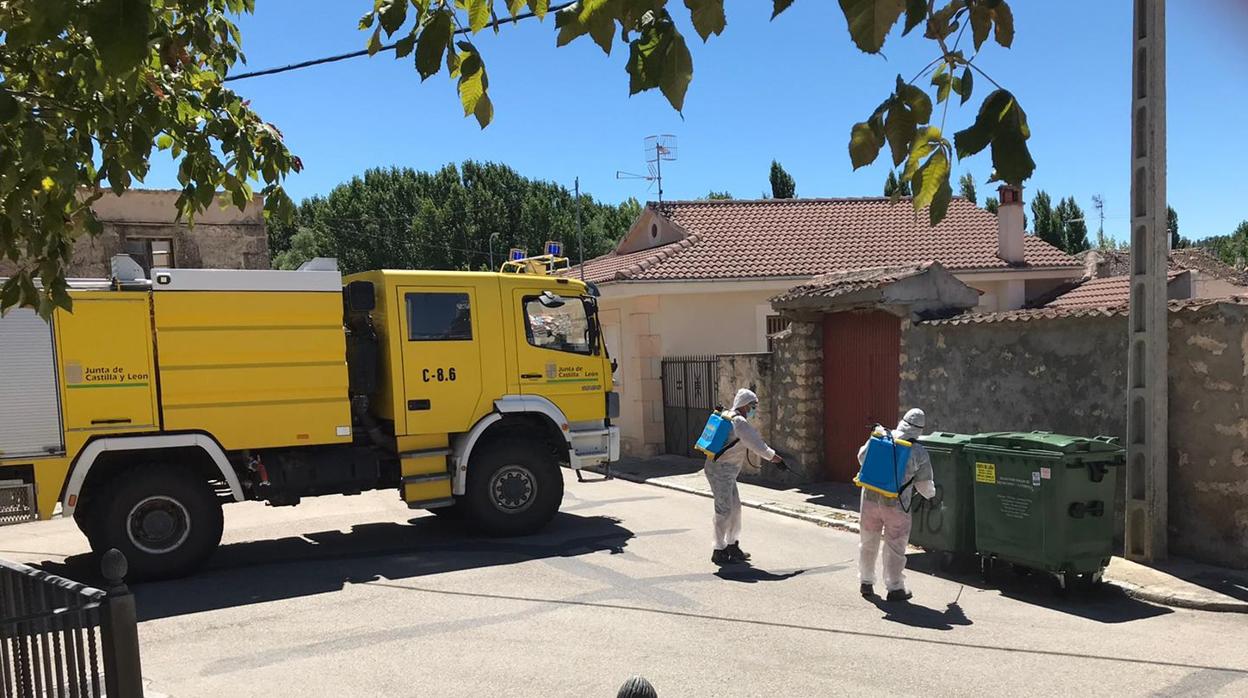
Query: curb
(1177, 600)
(1134, 591)
(752, 504)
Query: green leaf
(928, 179)
(870, 21)
(925, 141)
(916, 12)
(403, 47)
(941, 24)
(918, 101)
(514, 6)
(940, 202)
(981, 24)
(968, 84)
(1004, 17)
(539, 7)
(864, 145)
(779, 6)
(473, 83)
(478, 14)
(374, 42)
(392, 14)
(708, 17)
(899, 127)
(677, 71)
(120, 29)
(978, 135)
(943, 84)
(8, 104)
(434, 40)
(164, 141)
(1011, 159)
(366, 21)
(568, 23)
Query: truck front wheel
(165, 519)
(514, 488)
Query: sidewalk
(1178, 583)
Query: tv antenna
(657, 149)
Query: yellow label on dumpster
(986, 472)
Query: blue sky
(788, 89)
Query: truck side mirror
(360, 296)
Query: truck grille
(17, 502)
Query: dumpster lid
(1048, 441)
(944, 439)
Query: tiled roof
(1118, 263)
(733, 239)
(1100, 293)
(1078, 312)
(841, 283)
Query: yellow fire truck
(162, 396)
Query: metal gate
(690, 385)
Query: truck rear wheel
(514, 488)
(165, 519)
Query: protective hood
(744, 397)
(911, 425)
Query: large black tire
(165, 519)
(514, 488)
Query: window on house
(151, 253)
(774, 324)
(439, 317)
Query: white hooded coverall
(722, 473)
(888, 518)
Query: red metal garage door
(861, 364)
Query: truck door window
(565, 328)
(438, 317)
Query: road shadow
(1104, 604)
(746, 573)
(919, 616)
(253, 572)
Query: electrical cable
(386, 47)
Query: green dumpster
(948, 524)
(1046, 501)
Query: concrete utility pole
(1147, 409)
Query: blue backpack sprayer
(885, 464)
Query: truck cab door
(554, 355)
(441, 358)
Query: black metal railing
(62, 638)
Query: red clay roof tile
(806, 237)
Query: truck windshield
(565, 328)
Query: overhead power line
(387, 47)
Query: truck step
(427, 462)
(418, 489)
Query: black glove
(781, 465)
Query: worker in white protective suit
(722, 473)
(888, 518)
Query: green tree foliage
(718, 196)
(895, 188)
(404, 219)
(782, 184)
(966, 187)
(1231, 249)
(88, 89)
(1073, 226)
(1044, 219)
(1172, 225)
(439, 33)
(992, 205)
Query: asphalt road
(356, 597)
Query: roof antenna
(657, 149)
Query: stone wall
(1065, 375)
(1069, 375)
(1209, 434)
(798, 387)
(753, 371)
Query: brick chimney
(1010, 224)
